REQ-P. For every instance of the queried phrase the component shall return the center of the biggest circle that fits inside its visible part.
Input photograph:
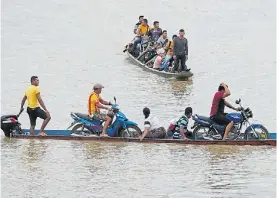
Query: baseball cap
(98, 86)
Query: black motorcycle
(10, 125)
(206, 128)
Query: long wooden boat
(181, 75)
(65, 135)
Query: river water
(71, 45)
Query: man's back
(183, 121)
(216, 100)
(31, 94)
(92, 101)
(152, 122)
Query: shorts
(102, 116)
(221, 119)
(34, 113)
(158, 133)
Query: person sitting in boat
(143, 30)
(137, 24)
(159, 58)
(162, 41)
(155, 32)
(95, 103)
(180, 130)
(152, 126)
(168, 58)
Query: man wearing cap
(95, 103)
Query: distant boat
(180, 75)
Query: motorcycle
(213, 131)
(120, 127)
(10, 125)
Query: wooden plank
(116, 139)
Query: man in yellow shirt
(32, 95)
(95, 103)
(143, 30)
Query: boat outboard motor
(10, 125)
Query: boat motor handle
(21, 110)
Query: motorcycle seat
(4, 117)
(205, 118)
(84, 116)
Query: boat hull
(181, 75)
(65, 135)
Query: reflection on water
(33, 151)
(181, 89)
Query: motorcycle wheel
(262, 133)
(79, 129)
(197, 135)
(131, 131)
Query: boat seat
(4, 117)
(84, 116)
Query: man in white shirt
(152, 126)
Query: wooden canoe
(181, 75)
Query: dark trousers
(179, 58)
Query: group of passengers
(164, 52)
(152, 125)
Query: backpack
(172, 125)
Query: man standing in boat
(32, 95)
(180, 51)
(95, 103)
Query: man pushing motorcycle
(95, 103)
(217, 110)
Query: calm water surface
(71, 45)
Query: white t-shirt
(152, 122)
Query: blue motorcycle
(120, 127)
(206, 128)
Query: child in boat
(159, 59)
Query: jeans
(166, 60)
(136, 42)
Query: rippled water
(86, 169)
(71, 45)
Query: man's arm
(104, 102)
(102, 106)
(230, 106)
(41, 102)
(23, 101)
(186, 47)
(174, 47)
(145, 132)
(227, 91)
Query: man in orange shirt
(169, 49)
(95, 103)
